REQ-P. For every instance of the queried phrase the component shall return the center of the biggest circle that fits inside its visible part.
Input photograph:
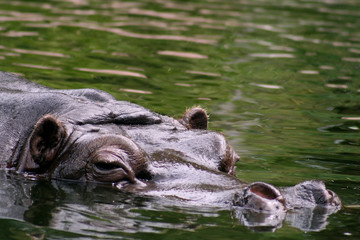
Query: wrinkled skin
(87, 135)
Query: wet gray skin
(87, 135)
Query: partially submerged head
(109, 152)
(60, 150)
(106, 151)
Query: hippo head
(62, 150)
(182, 158)
(106, 151)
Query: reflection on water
(336, 86)
(135, 91)
(203, 73)
(19, 34)
(36, 66)
(183, 54)
(272, 55)
(38, 52)
(351, 59)
(115, 72)
(99, 210)
(125, 33)
(267, 86)
(313, 72)
(280, 79)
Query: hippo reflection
(87, 135)
(90, 208)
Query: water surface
(279, 78)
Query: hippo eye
(104, 166)
(111, 158)
(111, 164)
(114, 159)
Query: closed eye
(103, 166)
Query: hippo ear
(195, 118)
(46, 139)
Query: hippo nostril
(261, 197)
(263, 191)
(334, 199)
(331, 193)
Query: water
(279, 78)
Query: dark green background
(279, 78)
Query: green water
(281, 79)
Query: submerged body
(87, 135)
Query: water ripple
(336, 86)
(19, 34)
(172, 16)
(36, 52)
(272, 55)
(114, 72)
(347, 59)
(36, 66)
(204, 73)
(266, 86)
(134, 91)
(309, 72)
(182, 54)
(140, 35)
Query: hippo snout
(311, 193)
(333, 199)
(261, 197)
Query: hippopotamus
(87, 135)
